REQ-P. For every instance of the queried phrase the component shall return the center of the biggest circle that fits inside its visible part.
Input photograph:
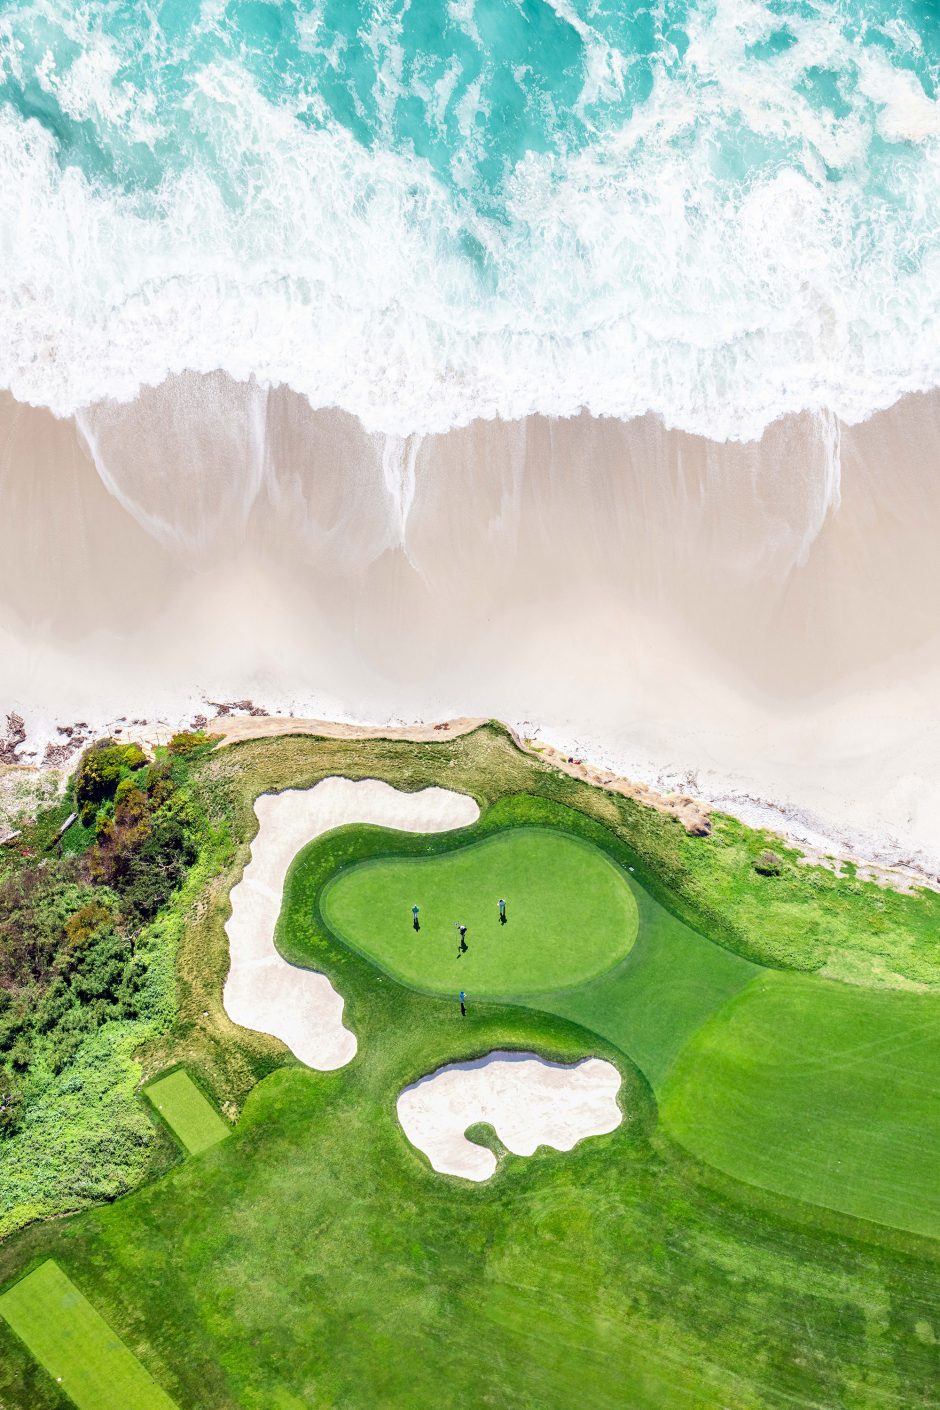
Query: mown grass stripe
(823, 1092)
(190, 1116)
(76, 1346)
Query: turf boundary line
(76, 1346)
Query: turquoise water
(718, 211)
(469, 88)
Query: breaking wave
(425, 213)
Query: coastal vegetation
(313, 1258)
(89, 919)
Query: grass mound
(570, 914)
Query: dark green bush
(101, 769)
(11, 1102)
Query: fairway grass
(672, 981)
(191, 1117)
(76, 1346)
(571, 914)
(820, 1091)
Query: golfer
(414, 917)
(463, 1005)
(462, 946)
(502, 911)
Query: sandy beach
(752, 624)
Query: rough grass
(821, 1091)
(76, 1346)
(193, 1119)
(570, 914)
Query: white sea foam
(629, 277)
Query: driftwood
(72, 817)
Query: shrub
(35, 905)
(11, 1102)
(85, 923)
(100, 771)
(186, 741)
(131, 804)
(768, 863)
(159, 782)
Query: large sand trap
(529, 1102)
(263, 991)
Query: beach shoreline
(749, 625)
(820, 843)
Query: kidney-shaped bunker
(528, 1101)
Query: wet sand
(755, 624)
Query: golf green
(571, 914)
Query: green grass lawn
(820, 1091)
(672, 981)
(191, 1117)
(314, 1260)
(765, 1075)
(76, 1346)
(570, 914)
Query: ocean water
(425, 212)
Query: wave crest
(733, 249)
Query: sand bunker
(529, 1102)
(263, 991)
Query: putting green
(821, 1091)
(76, 1346)
(191, 1117)
(571, 914)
